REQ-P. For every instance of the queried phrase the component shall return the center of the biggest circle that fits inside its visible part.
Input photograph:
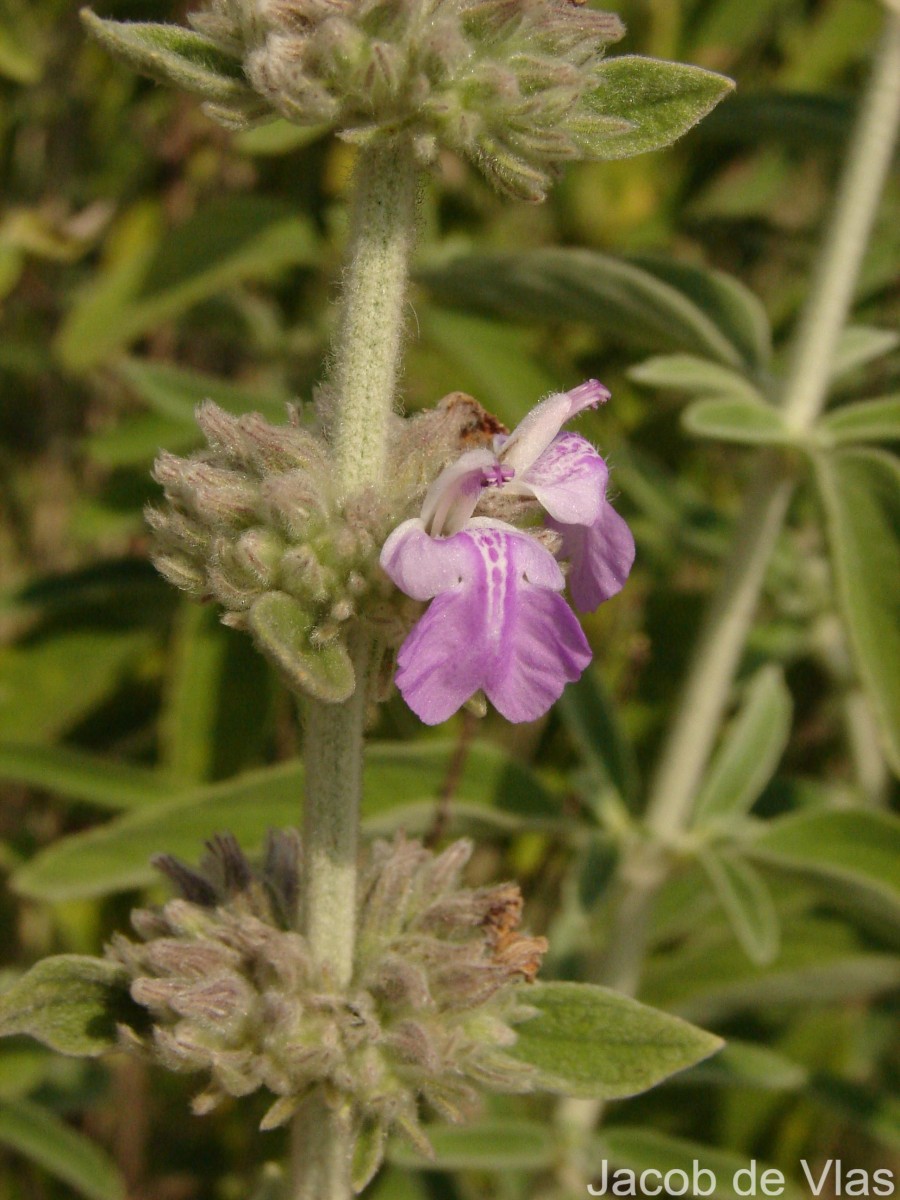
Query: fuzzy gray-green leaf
(659, 100)
(72, 1003)
(593, 1042)
(173, 55)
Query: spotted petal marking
(497, 621)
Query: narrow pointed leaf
(590, 717)
(868, 421)
(502, 792)
(659, 100)
(500, 1145)
(644, 301)
(86, 777)
(592, 1042)
(750, 751)
(172, 54)
(71, 1003)
(281, 627)
(175, 392)
(59, 1150)
(700, 376)
(746, 422)
(859, 345)
(747, 902)
(854, 854)
(860, 492)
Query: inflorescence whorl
(429, 1015)
(255, 522)
(509, 84)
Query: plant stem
(364, 367)
(708, 686)
(717, 656)
(365, 362)
(333, 753)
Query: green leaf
(116, 856)
(590, 717)
(853, 854)
(821, 962)
(859, 345)
(750, 750)
(496, 1145)
(643, 302)
(136, 440)
(783, 118)
(747, 1065)
(51, 682)
(86, 777)
(644, 1149)
(868, 421)
(747, 902)
(154, 275)
(659, 100)
(71, 1003)
(496, 363)
(860, 492)
(281, 626)
(687, 373)
(176, 392)
(746, 422)
(592, 1042)
(171, 54)
(23, 1066)
(59, 1150)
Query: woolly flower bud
(436, 992)
(255, 523)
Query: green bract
(519, 87)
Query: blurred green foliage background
(149, 259)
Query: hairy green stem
(320, 1153)
(363, 377)
(708, 687)
(365, 362)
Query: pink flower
(497, 621)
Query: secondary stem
(710, 678)
(363, 378)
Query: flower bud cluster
(255, 522)
(506, 83)
(429, 1014)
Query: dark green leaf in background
(860, 492)
(59, 1150)
(481, 1146)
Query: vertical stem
(363, 378)
(707, 689)
(334, 745)
(364, 370)
(716, 659)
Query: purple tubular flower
(496, 622)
